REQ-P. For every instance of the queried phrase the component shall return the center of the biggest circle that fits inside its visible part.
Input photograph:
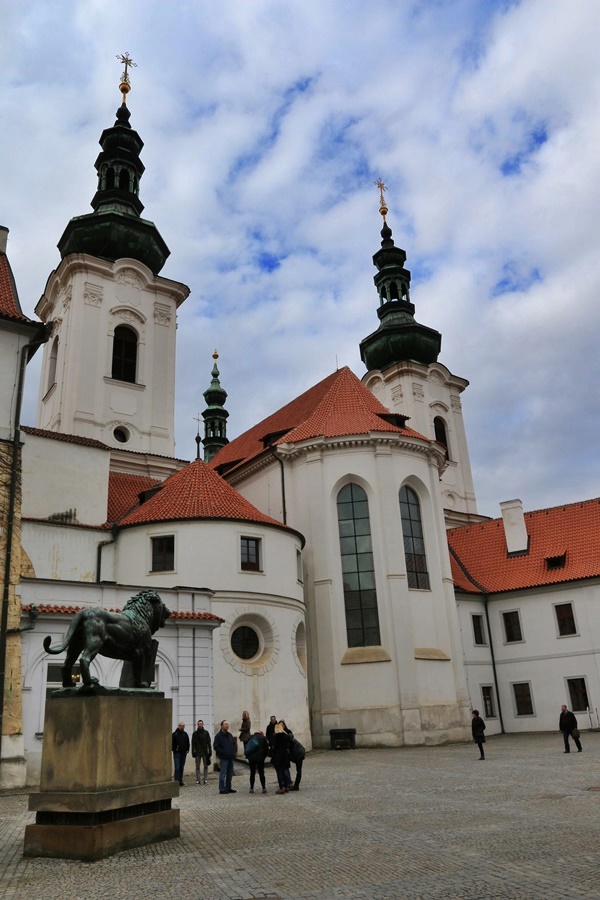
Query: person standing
(256, 752)
(245, 732)
(271, 730)
(281, 757)
(297, 756)
(477, 729)
(181, 748)
(201, 750)
(224, 744)
(567, 723)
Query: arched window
(52, 363)
(394, 291)
(124, 360)
(441, 436)
(414, 542)
(110, 179)
(358, 571)
(123, 180)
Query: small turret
(215, 415)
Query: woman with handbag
(477, 729)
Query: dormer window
(556, 562)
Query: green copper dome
(115, 229)
(215, 415)
(399, 337)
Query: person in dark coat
(224, 744)
(245, 728)
(281, 757)
(256, 749)
(567, 723)
(477, 729)
(270, 731)
(181, 747)
(297, 756)
(201, 750)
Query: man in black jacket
(181, 748)
(224, 745)
(201, 750)
(567, 723)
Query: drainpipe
(27, 352)
(280, 461)
(99, 553)
(486, 597)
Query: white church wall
(59, 551)
(60, 477)
(11, 343)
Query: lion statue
(126, 635)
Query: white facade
(87, 298)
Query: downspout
(27, 352)
(280, 461)
(99, 553)
(486, 597)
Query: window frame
(120, 361)
(484, 642)
(518, 715)
(582, 678)
(493, 704)
(509, 612)
(407, 525)
(569, 634)
(162, 537)
(248, 565)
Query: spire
(115, 229)
(399, 337)
(215, 415)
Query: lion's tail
(65, 643)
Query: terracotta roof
(572, 529)
(10, 308)
(196, 492)
(123, 492)
(69, 438)
(71, 610)
(339, 405)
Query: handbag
(575, 734)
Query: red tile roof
(10, 308)
(196, 492)
(71, 610)
(481, 548)
(124, 491)
(339, 405)
(69, 438)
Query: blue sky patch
(515, 278)
(534, 139)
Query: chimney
(515, 530)
(3, 237)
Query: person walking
(181, 747)
(567, 723)
(477, 729)
(224, 744)
(297, 756)
(281, 757)
(245, 729)
(201, 750)
(256, 749)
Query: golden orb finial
(215, 355)
(125, 85)
(382, 205)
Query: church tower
(109, 368)
(401, 357)
(215, 415)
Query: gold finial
(382, 207)
(215, 356)
(125, 85)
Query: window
(250, 554)
(163, 553)
(299, 568)
(578, 694)
(565, 619)
(52, 363)
(489, 706)
(512, 626)
(523, 701)
(478, 632)
(358, 569)
(54, 677)
(245, 642)
(414, 542)
(556, 562)
(124, 360)
(441, 436)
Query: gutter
(486, 597)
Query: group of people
(567, 724)
(278, 743)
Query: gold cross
(127, 61)
(382, 206)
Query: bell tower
(109, 368)
(401, 357)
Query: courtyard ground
(429, 822)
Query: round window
(121, 435)
(245, 642)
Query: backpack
(252, 745)
(297, 751)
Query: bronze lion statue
(126, 635)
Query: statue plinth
(106, 779)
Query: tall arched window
(124, 360)
(414, 542)
(441, 435)
(358, 571)
(52, 363)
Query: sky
(265, 124)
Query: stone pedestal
(106, 779)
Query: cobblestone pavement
(429, 822)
